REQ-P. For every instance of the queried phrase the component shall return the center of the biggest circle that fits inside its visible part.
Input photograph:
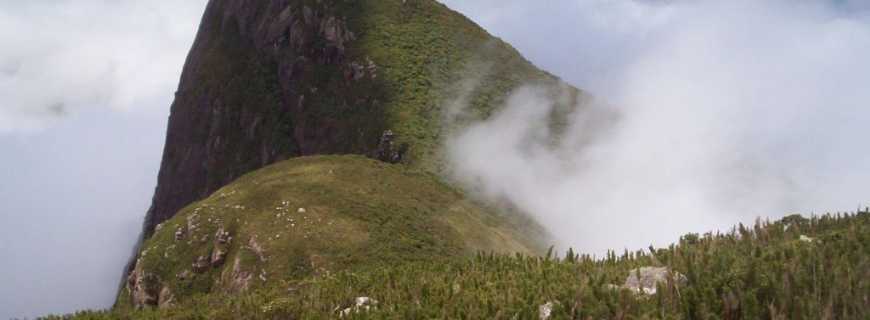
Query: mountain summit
(271, 80)
(303, 178)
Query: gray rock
(218, 256)
(144, 288)
(360, 304)
(546, 310)
(644, 280)
(388, 151)
(240, 279)
(184, 275)
(166, 299)
(201, 264)
(222, 236)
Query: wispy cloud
(729, 110)
(85, 88)
(59, 57)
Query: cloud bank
(86, 88)
(61, 57)
(728, 110)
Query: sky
(728, 110)
(86, 87)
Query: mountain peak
(271, 80)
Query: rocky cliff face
(247, 99)
(269, 80)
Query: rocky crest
(270, 80)
(249, 97)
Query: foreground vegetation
(795, 268)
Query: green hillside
(271, 80)
(238, 231)
(311, 217)
(796, 268)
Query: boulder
(360, 304)
(545, 310)
(644, 280)
(144, 288)
(201, 264)
(218, 256)
(166, 298)
(388, 151)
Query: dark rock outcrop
(254, 91)
(143, 287)
(388, 150)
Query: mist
(725, 111)
(86, 88)
(722, 112)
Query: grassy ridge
(796, 268)
(313, 216)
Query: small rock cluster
(360, 304)
(145, 289)
(388, 151)
(357, 71)
(222, 241)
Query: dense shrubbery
(796, 268)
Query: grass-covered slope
(311, 217)
(796, 268)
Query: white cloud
(729, 110)
(59, 57)
(86, 88)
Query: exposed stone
(372, 68)
(166, 299)
(355, 71)
(545, 310)
(240, 279)
(184, 275)
(179, 234)
(218, 256)
(297, 37)
(807, 239)
(222, 236)
(387, 150)
(644, 280)
(144, 288)
(255, 246)
(201, 264)
(222, 239)
(360, 304)
(262, 276)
